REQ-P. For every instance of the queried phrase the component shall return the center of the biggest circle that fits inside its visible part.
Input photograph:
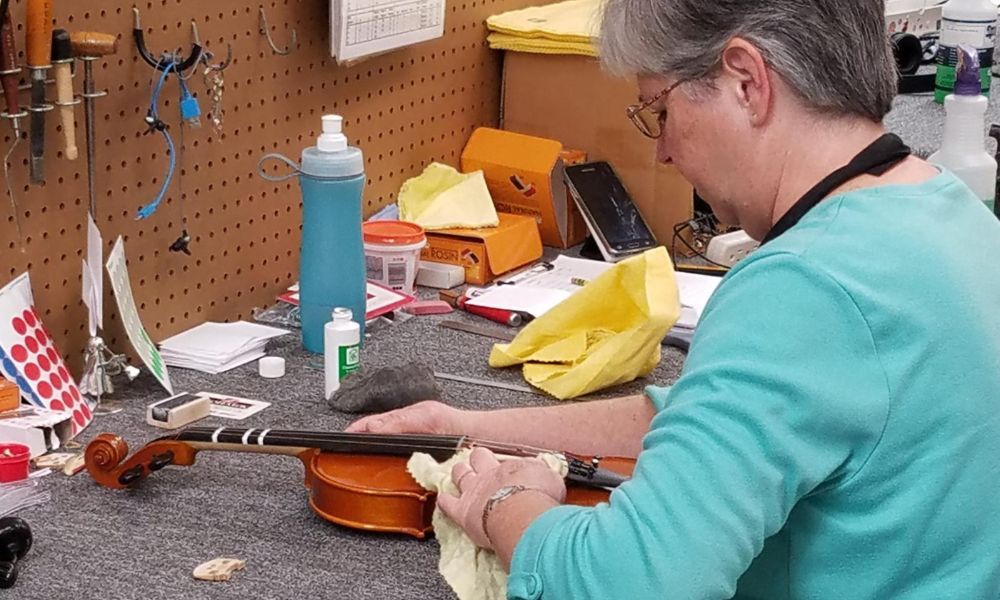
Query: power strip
(913, 16)
(729, 248)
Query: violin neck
(441, 447)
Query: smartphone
(612, 217)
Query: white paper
(564, 273)
(143, 345)
(540, 288)
(695, 291)
(95, 258)
(88, 298)
(365, 27)
(221, 338)
(231, 407)
(214, 368)
(531, 300)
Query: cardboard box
(489, 252)
(570, 99)
(525, 177)
(10, 395)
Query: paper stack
(695, 290)
(218, 347)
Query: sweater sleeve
(781, 396)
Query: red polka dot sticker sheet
(29, 357)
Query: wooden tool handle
(8, 62)
(93, 43)
(38, 47)
(64, 93)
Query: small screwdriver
(497, 315)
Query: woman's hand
(429, 416)
(482, 477)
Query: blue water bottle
(332, 267)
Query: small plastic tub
(14, 462)
(392, 253)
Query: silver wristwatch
(499, 496)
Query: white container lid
(271, 367)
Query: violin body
(377, 493)
(370, 491)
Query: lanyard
(882, 155)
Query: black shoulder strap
(882, 155)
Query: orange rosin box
(488, 252)
(10, 395)
(525, 176)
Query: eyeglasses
(648, 122)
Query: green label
(947, 71)
(349, 360)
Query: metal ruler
(490, 332)
(487, 383)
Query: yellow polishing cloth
(502, 41)
(606, 334)
(443, 198)
(572, 21)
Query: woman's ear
(745, 74)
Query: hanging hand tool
(90, 46)
(39, 54)
(9, 75)
(9, 71)
(62, 67)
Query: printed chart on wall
(362, 28)
(144, 347)
(29, 357)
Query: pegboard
(403, 109)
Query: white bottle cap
(342, 314)
(332, 139)
(271, 367)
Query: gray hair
(835, 54)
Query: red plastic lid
(393, 233)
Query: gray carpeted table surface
(91, 542)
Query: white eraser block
(440, 275)
(178, 411)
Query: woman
(835, 432)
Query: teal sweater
(835, 433)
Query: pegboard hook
(265, 30)
(207, 55)
(140, 43)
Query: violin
(358, 480)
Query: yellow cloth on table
(472, 573)
(443, 198)
(502, 41)
(606, 334)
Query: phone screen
(610, 206)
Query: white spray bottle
(963, 149)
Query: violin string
(395, 441)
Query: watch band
(499, 496)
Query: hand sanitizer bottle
(332, 265)
(963, 150)
(341, 349)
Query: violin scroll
(108, 463)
